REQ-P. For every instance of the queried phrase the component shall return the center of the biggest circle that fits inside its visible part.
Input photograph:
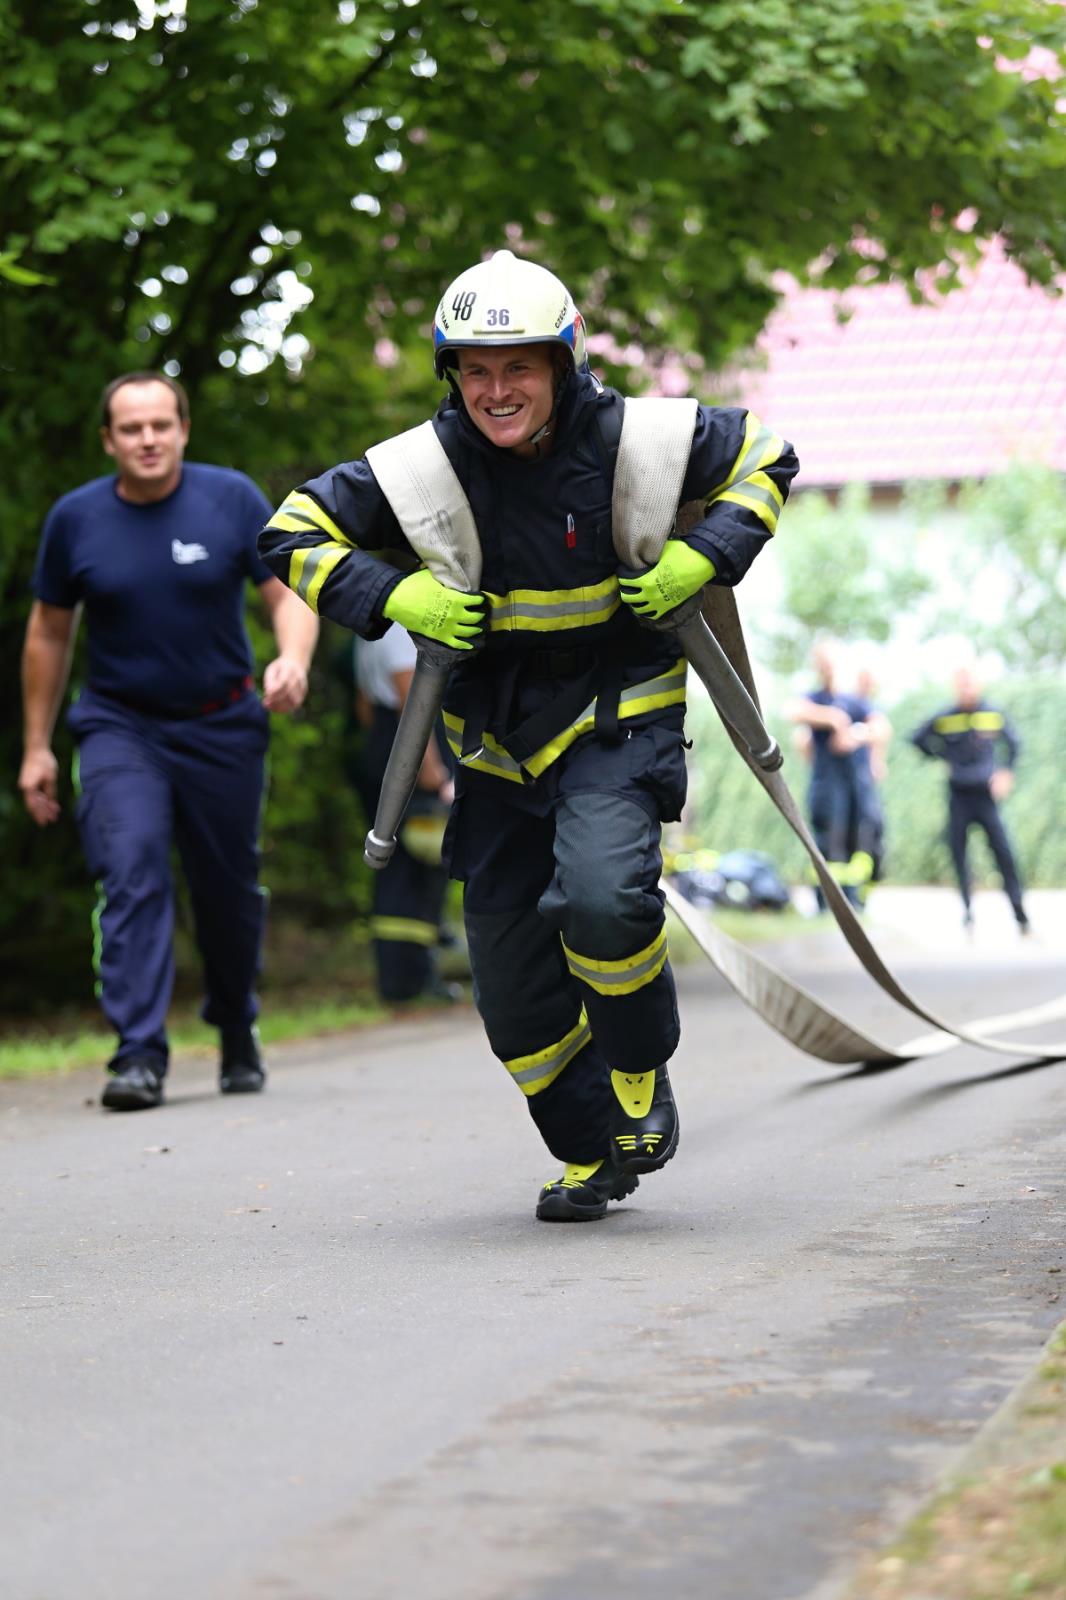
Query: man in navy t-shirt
(170, 733)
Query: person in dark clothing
(980, 747)
(845, 731)
(870, 759)
(568, 721)
(405, 921)
(170, 734)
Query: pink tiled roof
(953, 390)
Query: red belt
(169, 713)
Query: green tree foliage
(730, 811)
(840, 575)
(1015, 525)
(267, 198)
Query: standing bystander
(170, 735)
(968, 736)
(843, 805)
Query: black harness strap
(547, 723)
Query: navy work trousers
(147, 783)
(575, 891)
(969, 808)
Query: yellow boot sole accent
(634, 1091)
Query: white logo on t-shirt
(186, 554)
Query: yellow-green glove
(679, 572)
(422, 605)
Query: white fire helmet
(505, 301)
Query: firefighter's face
(967, 688)
(508, 393)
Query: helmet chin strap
(543, 431)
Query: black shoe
(136, 1084)
(241, 1069)
(644, 1127)
(967, 919)
(582, 1193)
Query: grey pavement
(314, 1345)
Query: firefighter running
(566, 712)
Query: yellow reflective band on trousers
(624, 976)
(666, 690)
(535, 1072)
(552, 610)
(855, 873)
(747, 484)
(963, 721)
(403, 930)
(423, 838)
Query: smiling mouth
(501, 413)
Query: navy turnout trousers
(968, 808)
(147, 783)
(565, 926)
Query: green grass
(39, 1052)
(54, 1046)
(1002, 1531)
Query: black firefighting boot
(643, 1122)
(582, 1193)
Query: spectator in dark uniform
(980, 747)
(871, 761)
(842, 801)
(409, 894)
(170, 733)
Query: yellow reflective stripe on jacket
(298, 512)
(761, 448)
(758, 494)
(491, 757)
(963, 721)
(548, 610)
(747, 484)
(535, 1072)
(310, 567)
(666, 690)
(403, 930)
(624, 976)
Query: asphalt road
(314, 1346)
